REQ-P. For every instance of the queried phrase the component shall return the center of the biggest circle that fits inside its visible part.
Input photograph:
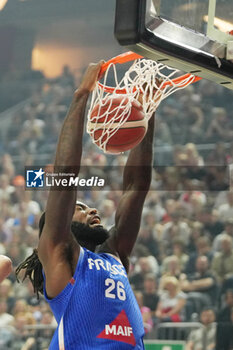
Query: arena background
(45, 47)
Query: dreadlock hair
(33, 266)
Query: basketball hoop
(146, 81)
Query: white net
(146, 82)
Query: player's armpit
(59, 263)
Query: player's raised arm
(61, 202)
(136, 183)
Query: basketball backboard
(191, 35)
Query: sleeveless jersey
(97, 308)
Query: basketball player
(5, 267)
(88, 292)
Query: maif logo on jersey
(35, 178)
(119, 330)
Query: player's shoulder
(110, 256)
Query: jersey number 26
(115, 289)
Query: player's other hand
(150, 92)
(5, 267)
(90, 77)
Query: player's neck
(89, 246)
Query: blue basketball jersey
(97, 309)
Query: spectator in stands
(2, 245)
(171, 267)
(16, 252)
(218, 155)
(33, 122)
(155, 210)
(149, 218)
(218, 179)
(145, 311)
(203, 247)
(6, 189)
(43, 336)
(226, 209)
(19, 192)
(20, 306)
(193, 202)
(227, 284)
(162, 132)
(145, 265)
(213, 225)
(203, 338)
(181, 159)
(23, 338)
(146, 238)
(7, 293)
(228, 230)
(219, 127)
(222, 264)
(196, 119)
(5, 317)
(26, 207)
(6, 336)
(29, 296)
(107, 211)
(229, 156)
(170, 179)
(224, 338)
(7, 167)
(224, 314)
(192, 155)
(179, 252)
(4, 233)
(150, 295)
(178, 153)
(170, 207)
(171, 302)
(176, 229)
(171, 116)
(197, 230)
(201, 284)
(66, 77)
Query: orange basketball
(130, 133)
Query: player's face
(87, 228)
(86, 215)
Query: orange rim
(123, 58)
(132, 56)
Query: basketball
(103, 121)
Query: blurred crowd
(182, 264)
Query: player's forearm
(137, 173)
(69, 148)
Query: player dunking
(88, 292)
